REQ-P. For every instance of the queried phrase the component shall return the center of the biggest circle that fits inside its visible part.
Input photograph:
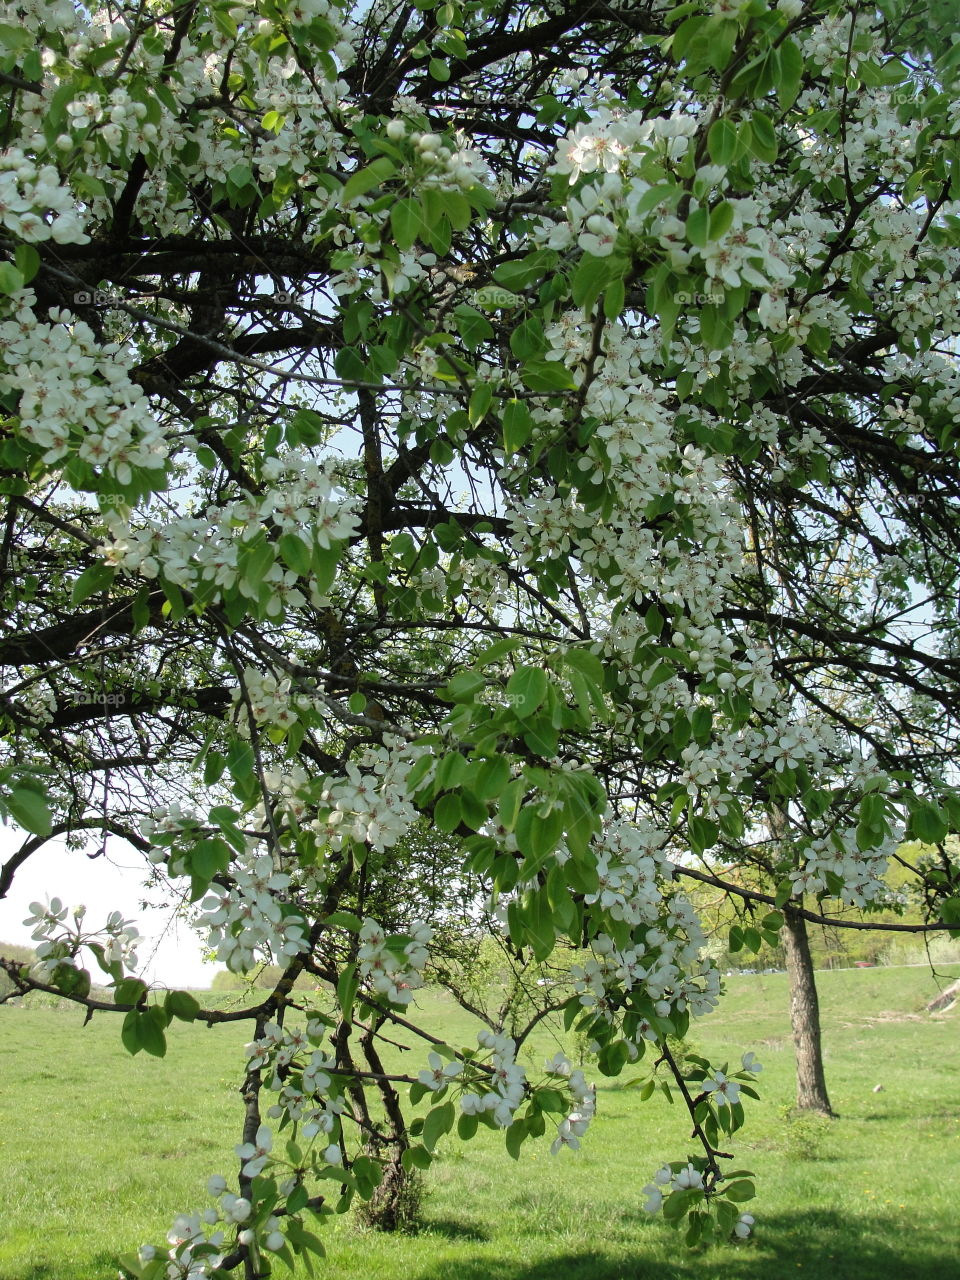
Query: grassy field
(99, 1151)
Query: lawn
(99, 1152)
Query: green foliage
(804, 1133)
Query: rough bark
(804, 1016)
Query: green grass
(99, 1151)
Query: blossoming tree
(531, 424)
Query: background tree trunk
(804, 1015)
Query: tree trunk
(804, 1015)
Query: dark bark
(804, 1015)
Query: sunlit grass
(101, 1150)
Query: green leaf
(927, 824)
(467, 1126)
(464, 686)
(522, 272)
(182, 1005)
(547, 375)
(480, 400)
(511, 798)
(698, 227)
(447, 813)
(439, 70)
(344, 920)
(436, 1123)
(416, 1158)
(347, 986)
(491, 778)
(722, 141)
(408, 223)
(740, 1191)
(27, 260)
(613, 1058)
(29, 810)
(528, 339)
(130, 1032)
(10, 278)
(526, 691)
(130, 991)
(764, 140)
(515, 1134)
(296, 554)
(374, 175)
(96, 577)
(791, 73)
(703, 834)
(721, 219)
(784, 893)
(517, 426)
(472, 325)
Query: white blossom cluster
(75, 395)
(861, 870)
(59, 942)
(268, 697)
(508, 1081)
(391, 966)
(34, 204)
(631, 863)
(247, 919)
(195, 1250)
(204, 550)
(667, 965)
(370, 804)
(688, 1178)
(304, 1091)
(572, 1128)
(182, 145)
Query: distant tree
(20, 955)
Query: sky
(171, 954)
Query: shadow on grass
(820, 1244)
(100, 1266)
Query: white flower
(688, 1179)
(654, 1198)
(236, 1208)
(440, 1072)
(743, 1226)
(726, 1092)
(566, 1137)
(256, 1154)
(750, 1063)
